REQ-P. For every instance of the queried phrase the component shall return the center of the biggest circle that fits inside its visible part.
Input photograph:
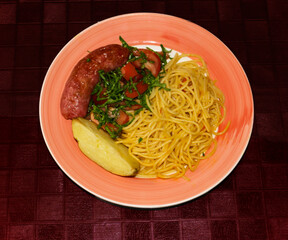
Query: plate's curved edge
(153, 206)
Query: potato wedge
(101, 148)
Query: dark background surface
(38, 201)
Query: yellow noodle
(180, 129)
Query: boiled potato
(101, 148)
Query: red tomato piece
(134, 107)
(101, 95)
(129, 71)
(141, 87)
(137, 78)
(153, 64)
(122, 118)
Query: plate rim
(154, 206)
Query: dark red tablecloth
(38, 201)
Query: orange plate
(148, 29)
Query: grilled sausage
(76, 95)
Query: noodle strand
(181, 127)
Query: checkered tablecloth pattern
(38, 201)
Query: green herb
(112, 89)
(140, 139)
(163, 57)
(126, 45)
(88, 60)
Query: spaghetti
(180, 129)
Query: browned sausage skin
(76, 95)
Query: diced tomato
(122, 118)
(141, 87)
(134, 107)
(153, 64)
(137, 63)
(129, 71)
(137, 78)
(101, 95)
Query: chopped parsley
(110, 99)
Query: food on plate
(77, 92)
(122, 93)
(107, 89)
(102, 149)
(179, 129)
(136, 113)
